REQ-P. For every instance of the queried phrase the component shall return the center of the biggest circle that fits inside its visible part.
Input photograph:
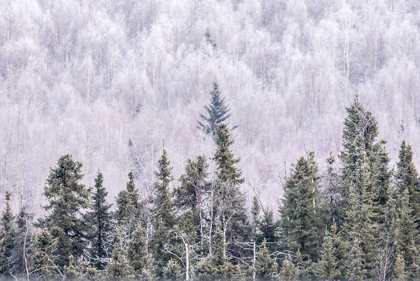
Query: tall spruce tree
(7, 235)
(406, 235)
(164, 242)
(66, 198)
(228, 198)
(217, 113)
(406, 177)
(359, 140)
(99, 222)
(163, 205)
(129, 208)
(300, 226)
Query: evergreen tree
(299, 224)
(190, 198)
(255, 216)
(223, 267)
(163, 205)
(406, 236)
(42, 265)
(265, 266)
(23, 244)
(355, 269)
(328, 266)
(137, 252)
(217, 113)
(164, 244)
(381, 181)
(119, 267)
(66, 198)
(227, 171)
(129, 208)
(288, 270)
(406, 177)
(7, 235)
(228, 200)
(358, 224)
(99, 220)
(332, 198)
(359, 134)
(268, 230)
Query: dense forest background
(86, 77)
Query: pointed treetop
(217, 112)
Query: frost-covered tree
(217, 112)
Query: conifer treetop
(226, 162)
(217, 112)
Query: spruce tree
(163, 205)
(328, 266)
(255, 216)
(406, 177)
(299, 224)
(359, 145)
(359, 134)
(137, 252)
(332, 198)
(189, 200)
(42, 265)
(7, 236)
(217, 113)
(99, 222)
(288, 270)
(406, 236)
(268, 230)
(66, 198)
(381, 181)
(23, 245)
(358, 264)
(129, 208)
(265, 266)
(164, 243)
(228, 199)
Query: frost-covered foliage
(85, 77)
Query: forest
(360, 220)
(205, 139)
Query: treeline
(357, 220)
